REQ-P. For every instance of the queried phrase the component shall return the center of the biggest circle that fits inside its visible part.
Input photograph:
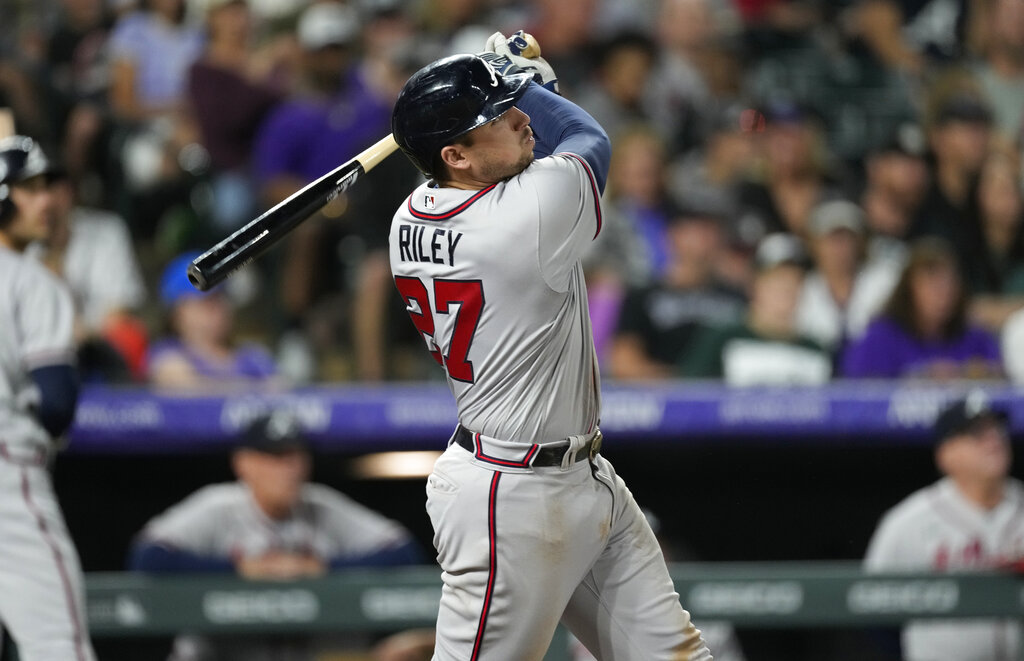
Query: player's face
(501, 148)
(982, 453)
(275, 479)
(35, 208)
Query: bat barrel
(246, 244)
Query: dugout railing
(769, 595)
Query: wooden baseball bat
(252, 240)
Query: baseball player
(972, 518)
(532, 525)
(41, 594)
(269, 524)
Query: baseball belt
(549, 455)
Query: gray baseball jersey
(222, 520)
(41, 593)
(493, 280)
(37, 331)
(937, 529)
(513, 334)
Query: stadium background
(784, 488)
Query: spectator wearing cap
(271, 523)
(959, 136)
(969, 520)
(659, 322)
(923, 331)
(767, 348)
(200, 350)
(896, 181)
(845, 289)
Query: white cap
(327, 23)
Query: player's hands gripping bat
(519, 53)
(260, 234)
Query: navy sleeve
(58, 386)
(559, 125)
(159, 558)
(408, 553)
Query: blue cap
(174, 284)
(958, 418)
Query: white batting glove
(504, 55)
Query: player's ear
(454, 156)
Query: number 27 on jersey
(464, 299)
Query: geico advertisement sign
(260, 606)
(914, 596)
(383, 604)
(753, 597)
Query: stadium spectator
(231, 68)
(710, 176)
(910, 36)
(896, 182)
(200, 350)
(959, 136)
(270, 524)
(567, 30)
(615, 95)
(767, 348)
(689, 36)
(636, 197)
(659, 322)
(91, 250)
(995, 263)
(793, 170)
(844, 289)
(1000, 70)
(967, 521)
(923, 331)
(151, 50)
(78, 72)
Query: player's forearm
(560, 125)
(155, 557)
(58, 388)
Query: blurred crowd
(800, 190)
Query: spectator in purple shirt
(923, 331)
(200, 350)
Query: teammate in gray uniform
(41, 593)
(269, 524)
(532, 525)
(973, 518)
(272, 522)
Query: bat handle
(377, 152)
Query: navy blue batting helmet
(447, 99)
(21, 158)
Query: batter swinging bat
(267, 229)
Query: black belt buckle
(595, 445)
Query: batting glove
(504, 55)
